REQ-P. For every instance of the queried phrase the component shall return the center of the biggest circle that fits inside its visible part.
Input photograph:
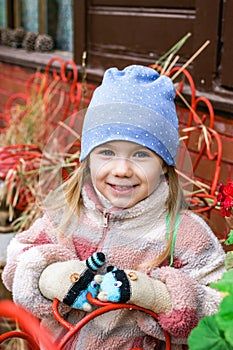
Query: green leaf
(230, 238)
(208, 336)
(224, 317)
(174, 49)
(226, 282)
(228, 336)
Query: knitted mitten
(134, 287)
(70, 281)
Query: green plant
(215, 332)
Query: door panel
(226, 58)
(122, 32)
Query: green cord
(168, 222)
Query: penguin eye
(93, 284)
(117, 284)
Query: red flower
(225, 198)
(228, 190)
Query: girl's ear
(164, 168)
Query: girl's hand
(134, 287)
(70, 281)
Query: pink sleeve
(183, 290)
(28, 254)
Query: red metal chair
(37, 336)
(32, 331)
(200, 139)
(58, 88)
(203, 144)
(29, 121)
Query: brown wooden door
(226, 46)
(122, 32)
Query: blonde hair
(174, 203)
(74, 187)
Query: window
(2, 14)
(53, 17)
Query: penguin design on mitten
(85, 283)
(70, 281)
(135, 287)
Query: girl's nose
(122, 167)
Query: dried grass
(12, 343)
(22, 157)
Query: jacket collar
(155, 202)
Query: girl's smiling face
(125, 172)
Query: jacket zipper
(105, 229)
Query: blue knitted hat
(135, 104)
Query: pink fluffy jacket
(128, 238)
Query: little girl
(125, 201)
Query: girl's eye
(93, 284)
(141, 154)
(117, 284)
(107, 153)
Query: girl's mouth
(123, 188)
